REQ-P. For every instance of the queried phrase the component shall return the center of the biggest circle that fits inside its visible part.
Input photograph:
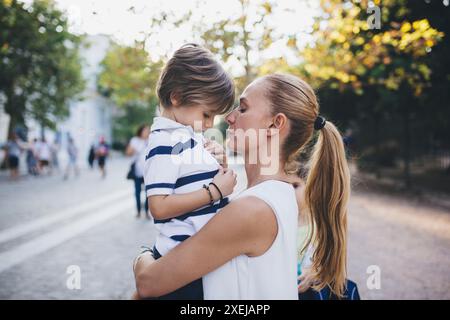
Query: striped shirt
(176, 162)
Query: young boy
(185, 184)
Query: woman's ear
(278, 124)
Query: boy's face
(199, 117)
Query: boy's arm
(173, 205)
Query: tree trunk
(245, 44)
(377, 148)
(407, 148)
(15, 108)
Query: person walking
(44, 156)
(31, 158)
(91, 156)
(54, 149)
(102, 153)
(13, 151)
(136, 149)
(72, 152)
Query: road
(48, 226)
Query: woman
(13, 150)
(102, 153)
(72, 153)
(248, 251)
(44, 156)
(91, 156)
(136, 150)
(31, 158)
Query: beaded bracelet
(211, 199)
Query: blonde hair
(328, 182)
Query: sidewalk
(48, 225)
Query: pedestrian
(31, 158)
(102, 153)
(136, 149)
(72, 152)
(13, 150)
(54, 149)
(44, 156)
(91, 156)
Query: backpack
(351, 293)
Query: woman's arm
(129, 151)
(246, 226)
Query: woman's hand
(217, 151)
(141, 262)
(143, 259)
(306, 280)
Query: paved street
(47, 225)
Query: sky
(128, 20)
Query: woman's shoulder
(249, 217)
(271, 189)
(280, 196)
(248, 209)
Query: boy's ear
(175, 99)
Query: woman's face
(250, 119)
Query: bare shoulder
(256, 220)
(249, 209)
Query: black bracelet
(145, 249)
(220, 192)
(211, 199)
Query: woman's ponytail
(326, 194)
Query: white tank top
(272, 275)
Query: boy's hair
(194, 76)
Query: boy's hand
(217, 151)
(225, 180)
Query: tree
(238, 38)
(39, 62)
(387, 68)
(248, 32)
(129, 78)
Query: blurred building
(91, 117)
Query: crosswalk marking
(25, 228)
(51, 239)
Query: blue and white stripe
(175, 163)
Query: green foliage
(381, 82)
(129, 78)
(41, 68)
